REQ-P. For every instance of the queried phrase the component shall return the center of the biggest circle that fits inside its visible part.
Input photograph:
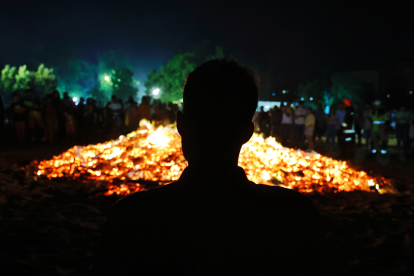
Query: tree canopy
(43, 80)
(170, 80)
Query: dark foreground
(54, 227)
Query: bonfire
(153, 155)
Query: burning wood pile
(154, 155)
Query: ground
(54, 227)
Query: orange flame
(155, 155)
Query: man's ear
(248, 134)
(180, 123)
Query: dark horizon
(284, 42)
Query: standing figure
(263, 122)
(331, 128)
(367, 125)
(341, 113)
(32, 103)
(50, 118)
(320, 126)
(286, 128)
(275, 120)
(19, 117)
(309, 127)
(299, 127)
(402, 118)
(379, 118)
(358, 123)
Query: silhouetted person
(320, 126)
(358, 123)
(264, 120)
(299, 126)
(213, 220)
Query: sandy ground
(54, 227)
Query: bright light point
(107, 78)
(275, 94)
(75, 99)
(374, 151)
(383, 151)
(311, 98)
(156, 91)
(302, 99)
(284, 91)
(411, 92)
(388, 95)
(348, 139)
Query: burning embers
(150, 154)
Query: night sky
(289, 40)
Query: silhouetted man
(213, 220)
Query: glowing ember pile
(150, 154)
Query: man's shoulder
(283, 196)
(143, 198)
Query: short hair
(301, 102)
(221, 93)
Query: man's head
(114, 99)
(309, 111)
(289, 103)
(66, 96)
(301, 104)
(219, 101)
(261, 109)
(341, 106)
(319, 106)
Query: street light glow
(107, 78)
(311, 98)
(75, 99)
(156, 91)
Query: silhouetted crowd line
(291, 125)
(54, 119)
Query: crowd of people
(54, 118)
(295, 125)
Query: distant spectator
(263, 122)
(90, 117)
(32, 103)
(341, 113)
(2, 117)
(116, 109)
(68, 109)
(402, 118)
(80, 108)
(156, 111)
(379, 132)
(275, 121)
(19, 117)
(309, 128)
(320, 126)
(131, 115)
(165, 118)
(50, 118)
(358, 123)
(286, 127)
(299, 127)
(331, 128)
(144, 109)
(411, 135)
(57, 104)
(367, 124)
